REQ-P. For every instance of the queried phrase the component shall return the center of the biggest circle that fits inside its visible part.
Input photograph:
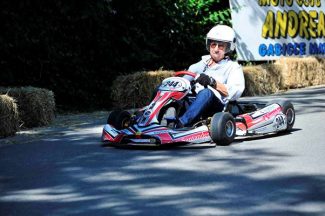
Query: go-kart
(148, 125)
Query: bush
(77, 48)
(9, 116)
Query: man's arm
(221, 88)
(235, 83)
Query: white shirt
(226, 71)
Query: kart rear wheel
(119, 119)
(289, 111)
(222, 128)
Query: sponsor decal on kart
(272, 113)
(265, 110)
(110, 130)
(198, 137)
(175, 84)
(280, 122)
(158, 132)
(142, 141)
(179, 134)
(241, 129)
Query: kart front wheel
(222, 128)
(119, 119)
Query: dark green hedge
(77, 48)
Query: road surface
(63, 170)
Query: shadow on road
(304, 100)
(70, 173)
(80, 177)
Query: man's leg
(205, 101)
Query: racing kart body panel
(146, 128)
(155, 135)
(270, 119)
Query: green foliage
(207, 12)
(77, 48)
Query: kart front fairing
(155, 134)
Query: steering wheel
(180, 73)
(189, 73)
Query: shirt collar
(206, 59)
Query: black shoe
(179, 124)
(169, 118)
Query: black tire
(222, 128)
(119, 119)
(288, 110)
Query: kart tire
(288, 110)
(222, 128)
(119, 119)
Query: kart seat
(233, 108)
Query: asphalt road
(63, 170)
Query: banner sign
(270, 29)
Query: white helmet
(222, 33)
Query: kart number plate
(174, 84)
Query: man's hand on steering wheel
(206, 80)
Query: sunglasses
(218, 44)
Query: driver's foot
(169, 117)
(179, 124)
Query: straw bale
(302, 72)
(36, 105)
(262, 79)
(135, 90)
(9, 116)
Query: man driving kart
(217, 81)
(224, 76)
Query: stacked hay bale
(135, 90)
(36, 105)
(302, 72)
(9, 116)
(262, 79)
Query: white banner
(270, 29)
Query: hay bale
(9, 116)
(302, 72)
(135, 90)
(36, 105)
(262, 79)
